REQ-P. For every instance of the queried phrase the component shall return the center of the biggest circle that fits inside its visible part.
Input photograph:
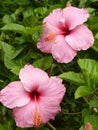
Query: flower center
(66, 32)
(36, 118)
(50, 37)
(35, 95)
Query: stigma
(50, 37)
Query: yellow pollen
(50, 37)
(37, 119)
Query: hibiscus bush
(49, 55)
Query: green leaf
(89, 65)
(81, 128)
(7, 19)
(5, 47)
(27, 32)
(93, 24)
(82, 91)
(90, 71)
(13, 27)
(17, 65)
(85, 112)
(31, 31)
(93, 20)
(2, 127)
(28, 12)
(14, 65)
(18, 11)
(95, 45)
(96, 36)
(93, 119)
(94, 0)
(93, 103)
(94, 27)
(22, 2)
(82, 3)
(9, 54)
(75, 78)
(44, 63)
(30, 21)
(90, 10)
(35, 54)
(40, 10)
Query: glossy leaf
(82, 128)
(75, 78)
(44, 63)
(31, 31)
(85, 112)
(82, 3)
(95, 46)
(96, 36)
(9, 54)
(14, 27)
(7, 19)
(93, 103)
(82, 91)
(89, 69)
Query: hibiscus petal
(54, 18)
(24, 115)
(14, 95)
(53, 92)
(48, 109)
(32, 77)
(45, 46)
(61, 51)
(74, 16)
(48, 37)
(80, 38)
(53, 88)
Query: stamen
(50, 37)
(37, 119)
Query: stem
(51, 126)
(85, 100)
(96, 96)
(28, 52)
(75, 113)
(50, 70)
(60, 68)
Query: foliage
(20, 28)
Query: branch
(51, 126)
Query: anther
(37, 119)
(50, 37)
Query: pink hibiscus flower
(64, 33)
(35, 99)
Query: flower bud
(88, 126)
